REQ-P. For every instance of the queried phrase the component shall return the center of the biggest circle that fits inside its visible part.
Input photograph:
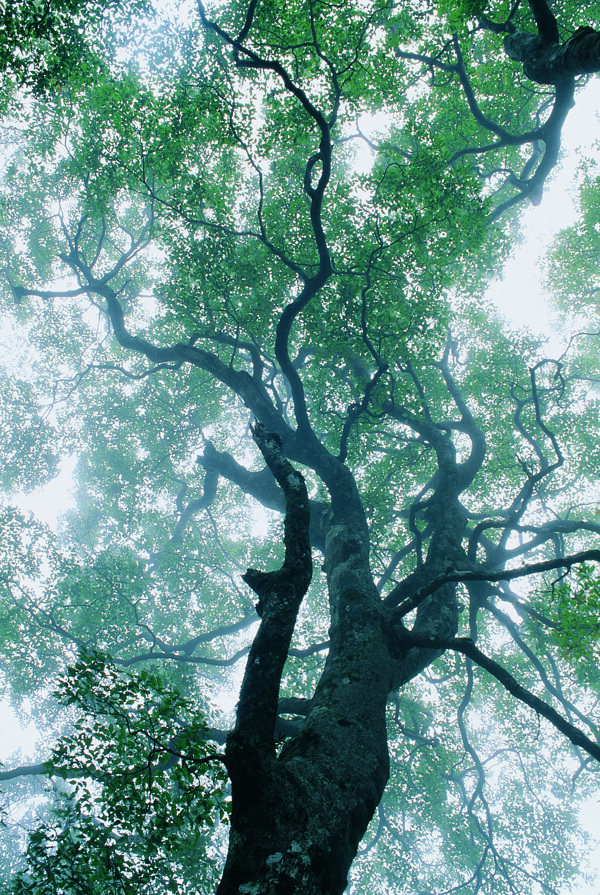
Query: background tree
(245, 252)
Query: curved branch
(246, 57)
(545, 20)
(535, 662)
(466, 646)
(481, 574)
(507, 139)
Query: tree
(242, 301)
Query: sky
(519, 294)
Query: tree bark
(555, 63)
(298, 816)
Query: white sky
(519, 294)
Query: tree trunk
(555, 63)
(299, 817)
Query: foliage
(28, 460)
(144, 787)
(572, 272)
(44, 45)
(577, 613)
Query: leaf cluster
(145, 785)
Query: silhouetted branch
(468, 648)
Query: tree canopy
(246, 248)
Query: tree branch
(279, 596)
(481, 574)
(545, 20)
(468, 648)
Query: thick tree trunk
(554, 63)
(299, 817)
